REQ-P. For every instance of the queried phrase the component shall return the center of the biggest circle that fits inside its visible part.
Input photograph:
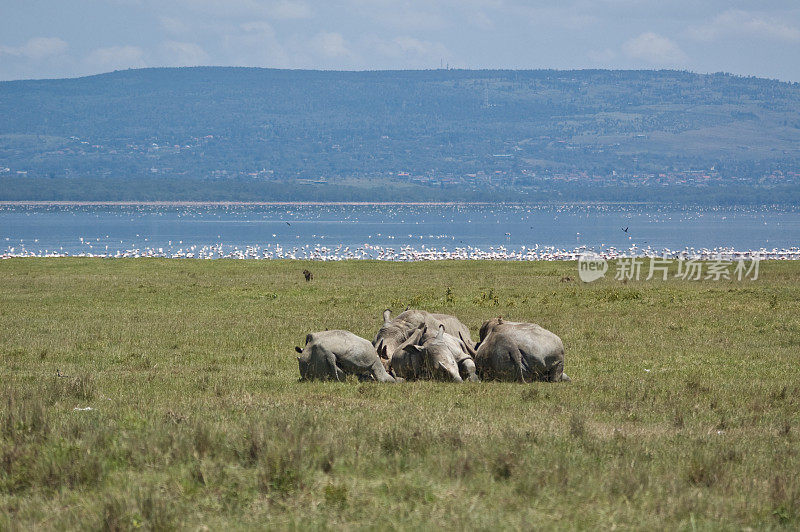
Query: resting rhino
(395, 331)
(519, 351)
(439, 357)
(334, 354)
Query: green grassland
(684, 410)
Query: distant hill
(466, 131)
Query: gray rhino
(334, 354)
(519, 351)
(395, 331)
(438, 357)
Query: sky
(57, 38)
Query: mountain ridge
(475, 130)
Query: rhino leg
(516, 358)
(556, 372)
(333, 369)
(379, 373)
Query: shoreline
(58, 203)
(411, 254)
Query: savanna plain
(683, 411)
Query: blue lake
(111, 229)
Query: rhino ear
(499, 319)
(413, 348)
(298, 349)
(440, 334)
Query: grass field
(684, 410)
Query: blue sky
(56, 38)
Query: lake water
(384, 231)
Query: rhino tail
(516, 356)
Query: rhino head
(389, 337)
(488, 326)
(438, 360)
(302, 361)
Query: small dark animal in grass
(309, 276)
(332, 355)
(566, 279)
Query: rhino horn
(413, 339)
(387, 316)
(467, 344)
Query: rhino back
(541, 350)
(452, 325)
(344, 344)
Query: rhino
(519, 351)
(440, 357)
(395, 331)
(332, 355)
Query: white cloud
(183, 54)
(37, 48)
(403, 16)
(258, 26)
(275, 9)
(410, 49)
(602, 57)
(286, 9)
(116, 58)
(738, 22)
(255, 44)
(481, 20)
(173, 25)
(568, 17)
(331, 44)
(654, 49)
(410, 45)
